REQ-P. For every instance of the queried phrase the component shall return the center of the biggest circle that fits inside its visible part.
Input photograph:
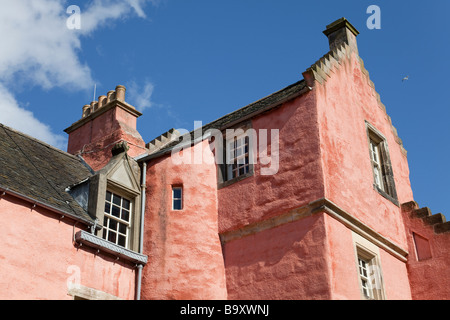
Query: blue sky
(185, 61)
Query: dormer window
(117, 219)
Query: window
(177, 198)
(117, 219)
(383, 175)
(368, 268)
(364, 278)
(376, 163)
(238, 157)
(369, 276)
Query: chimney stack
(342, 31)
(104, 123)
(118, 94)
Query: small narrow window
(177, 198)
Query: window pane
(177, 193)
(108, 196)
(243, 160)
(126, 204)
(229, 172)
(115, 211)
(113, 225)
(107, 207)
(122, 241)
(112, 237)
(177, 205)
(105, 222)
(123, 229)
(126, 215)
(116, 200)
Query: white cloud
(39, 50)
(141, 97)
(12, 115)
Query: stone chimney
(342, 31)
(104, 124)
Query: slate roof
(263, 105)
(38, 171)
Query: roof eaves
(41, 204)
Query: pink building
(302, 195)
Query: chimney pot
(86, 110)
(120, 93)
(94, 106)
(101, 101)
(342, 31)
(110, 96)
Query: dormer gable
(114, 199)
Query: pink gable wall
(38, 258)
(345, 101)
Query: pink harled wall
(289, 261)
(284, 263)
(298, 180)
(38, 257)
(324, 152)
(345, 102)
(429, 260)
(341, 259)
(183, 247)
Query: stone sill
(386, 195)
(90, 240)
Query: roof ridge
(38, 141)
(255, 102)
(248, 110)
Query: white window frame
(120, 222)
(371, 281)
(376, 164)
(181, 189)
(364, 277)
(238, 157)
